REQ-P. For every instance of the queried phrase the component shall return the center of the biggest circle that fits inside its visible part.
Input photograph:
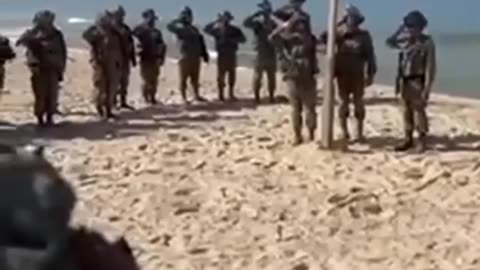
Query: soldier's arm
(175, 28)
(89, 35)
(63, 48)
(210, 29)
(393, 41)
(240, 36)
(25, 38)
(370, 55)
(162, 43)
(205, 55)
(250, 22)
(132, 53)
(431, 67)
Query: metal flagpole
(329, 93)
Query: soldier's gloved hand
(426, 95)
(206, 59)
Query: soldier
(355, 68)
(227, 39)
(106, 59)
(46, 59)
(192, 50)
(6, 54)
(417, 74)
(36, 204)
(128, 58)
(152, 54)
(265, 61)
(297, 53)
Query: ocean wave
(78, 20)
(13, 33)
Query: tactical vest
(413, 59)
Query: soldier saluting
(227, 39)
(296, 46)
(266, 60)
(46, 59)
(417, 70)
(152, 54)
(355, 68)
(192, 49)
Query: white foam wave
(78, 20)
(13, 33)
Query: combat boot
(311, 135)
(221, 96)
(231, 95)
(124, 104)
(406, 144)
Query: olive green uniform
(152, 57)
(265, 60)
(417, 71)
(192, 50)
(298, 60)
(128, 59)
(355, 63)
(46, 59)
(106, 54)
(227, 39)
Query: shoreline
(435, 95)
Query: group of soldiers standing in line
(283, 39)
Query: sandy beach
(219, 186)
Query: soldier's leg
(185, 74)
(309, 100)
(408, 118)
(113, 79)
(154, 82)
(2, 76)
(344, 85)
(296, 104)
(232, 78)
(195, 79)
(419, 106)
(99, 86)
(257, 82)
(221, 72)
(51, 87)
(123, 87)
(145, 81)
(359, 106)
(38, 96)
(272, 82)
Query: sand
(220, 187)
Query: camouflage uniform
(297, 54)
(355, 67)
(265, 61)
(106, 55)
(46, 59)
(227, 39)
(6, 54)
(152, 54)
(417, 74)
(192, 50)
(128, 58)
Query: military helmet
(415, 18)
(187, 11)
(298, 1)
(149, 13)
(120, 11)
(227, 15)
(46, 16)
(355, 13)
(265, 5)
